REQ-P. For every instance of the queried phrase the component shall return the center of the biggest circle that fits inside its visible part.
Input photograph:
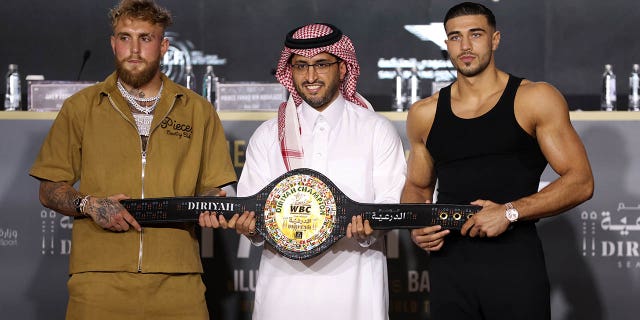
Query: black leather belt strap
(301, 213)
(380, 215)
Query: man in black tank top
(486, 140)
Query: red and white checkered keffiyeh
(288, 123)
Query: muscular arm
(542, 111)
(563, 149)
(420, 182)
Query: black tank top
(489, 157)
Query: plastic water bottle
(399, 96)
(209, 83)
(414, 86)
(13, 94)
(190, 78)
(608, 96)
(634, 89)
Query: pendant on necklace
(143, 122)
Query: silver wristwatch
(511, 213)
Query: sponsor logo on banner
(613, 235)
(56, 235)
(8, 237)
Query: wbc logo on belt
(300, 213)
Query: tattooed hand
(110, 214)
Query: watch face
(512, 215)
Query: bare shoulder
(540, 100)
(539, 92)
(537, 87)
(424, 109)
(421, 116)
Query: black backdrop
(564, 42)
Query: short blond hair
(145, 10)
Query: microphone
(85, 57)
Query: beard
(138, 78)
(318, 101)
(472, 71)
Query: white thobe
(361, 152)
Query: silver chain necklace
(133, 100)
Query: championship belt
(301, 213)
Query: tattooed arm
(106, 212)
(59, 196)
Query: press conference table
(393, 116)
(591, 251)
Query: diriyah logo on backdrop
(182, 53)
(8, 237)
(614, 235)
(56, 233)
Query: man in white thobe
(328, 127)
